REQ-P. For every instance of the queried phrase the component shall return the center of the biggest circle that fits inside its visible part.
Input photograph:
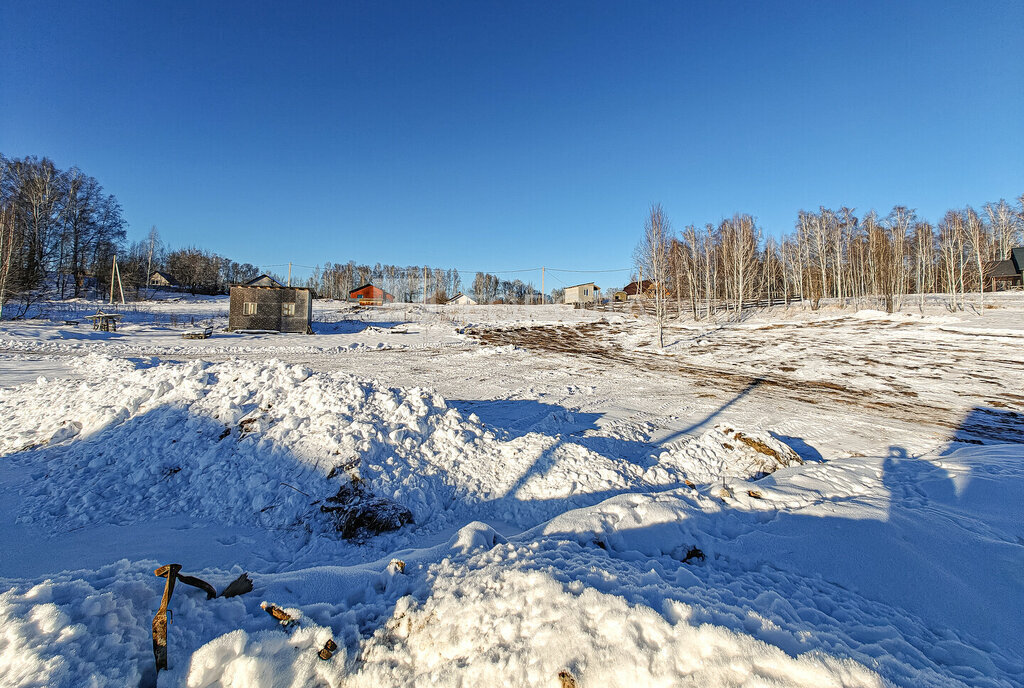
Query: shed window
(287, 309)
(249, 308)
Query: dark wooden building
(274, 308)
(369, 295)
(1003, 274)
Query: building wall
(576, 294)
(371, 293)
(269, 302)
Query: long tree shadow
(710, 417)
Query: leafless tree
(652, 259)
(974, 230)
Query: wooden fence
(646, 306)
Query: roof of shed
(261, 278)
(1017, 256)
(1001, 268)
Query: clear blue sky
(495, 136)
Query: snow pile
(800, 587)
(238, 442)
(276, 445)
(522, 628)
(724, 453)
(82, 629)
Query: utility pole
(543, 298)
(120, 286)
(289, 274)
(424, 285)
(114, 272)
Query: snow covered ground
(829, 498)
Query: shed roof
(1001, 268)
(1017, 256)
(581, 284)
(263, 280)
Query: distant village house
(581, 293)
(264, 304)
(643, 289)
(462, 300)
(1004, 274)
(162, 279)
(369, 295)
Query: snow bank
(522, 628)
(724, 452)
(75, 630)
(791, 591)
(276, 445)
(239, 442)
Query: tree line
(60, 231)
(414, 284)
(56, 226)
(867, 260)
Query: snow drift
(276, 445)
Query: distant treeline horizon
(60, 231)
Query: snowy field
(522, 496)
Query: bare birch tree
(652, 259)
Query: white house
(582, 293)
(162, 279)
(461, 300)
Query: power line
(591, 271)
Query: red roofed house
(369, 295)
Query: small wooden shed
(271, 308)
(369, 295)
